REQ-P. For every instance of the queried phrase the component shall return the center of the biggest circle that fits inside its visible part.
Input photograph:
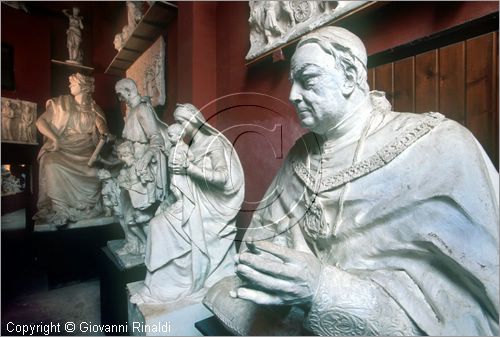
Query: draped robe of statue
(191, 249)
(69, 188)
(412, 248)
(147, 133)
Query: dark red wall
(30, 38)
(401, 22)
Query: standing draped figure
(74, 33)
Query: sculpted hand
(54, 146)
(110, 138)
(143, 163)
(178, 168)
(277, 275)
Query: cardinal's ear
(351, 75)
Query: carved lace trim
(372, 163)
(341, 308)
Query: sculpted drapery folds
(145, 164)
(380, 222)
(69, 190)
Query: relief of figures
(18, 121)
(10, 183)
(274, 23)
(148, 72)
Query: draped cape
(423, 226)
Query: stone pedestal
(72, 254)
(114, 278)
(127, 260)
(212, 327)
(165, 319)
(95, 222)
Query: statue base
(245, 318)
(73, 62)
(114, 279)
(128, 260)
(94, 222)
(164, 319)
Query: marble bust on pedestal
(383, 223)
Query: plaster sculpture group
(191, 241)
(10, 184)
(18, 121)
(177, 204)
(184, 216)
(378, 226)
(374, 224)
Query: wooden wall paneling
(404, 85)
(480, 100)
(383, 80)
(452, 81)
(426, 88)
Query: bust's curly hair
(86, 83)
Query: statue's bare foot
(60, 220)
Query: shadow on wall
(262, 130)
